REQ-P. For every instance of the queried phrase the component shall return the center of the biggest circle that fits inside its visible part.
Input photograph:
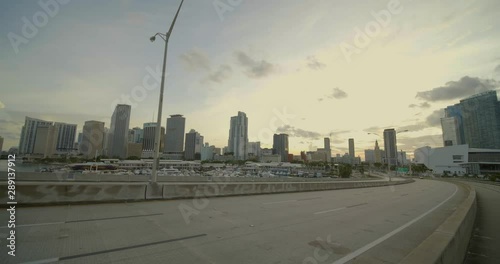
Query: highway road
(485, 242)
(368, 225)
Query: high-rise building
(136, 135)
(327, 149)
(377, 153)
(46, 140)
(238, 136)
(148, 140)
(174, 138)
(451, 131)
(66, 134)
(280, 146)
(118, 131)
(390, 146)
(1, 144)
(28, 134)
(481, 120)
(194, 143)
(352, 150)
(370, 155)
(92, 139)
(456, 112)
(253, 150)
(207, 152)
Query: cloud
(496, 72)
(418, 142)
(1, 105)
(337, 93)
(297, 132)
(465, 87)
(434, 119)
(219, 75)
(254, 69)
(422, 105)
(314, 64)
(194, 60)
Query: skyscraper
(327, 149)
(66, 134)
(148, 140)
(390, 146)
(238, 136)
(377, 154)
(481, 119)
(136, 135)
(92, 138)
(194, 143)
(451, 131)
(455, 111)
(174, 138)
(118, 131)
(253, 149)
(28, 134)
(369, 155)
(280, 146)
(46, 140)
(352, 151)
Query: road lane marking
(83, 220)
(362, 250)
(287, 201)
(354, 205)
(112, 250)
(333, 210)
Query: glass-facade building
(481, 120)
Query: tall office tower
(118, 131)
(451, 132)
(455, 111)
(280, 146)
(253, 149)
(92, 138)
(148, 141)
(207, 152)
(28, 134)
(66, 134)
(138, 135)
(46, 140)
(377, 154)
(481, 117)
(238, 136)
(390, 146)
(370, 155)
(80, 137)
(328, 149)
(194, 143)
(174, 138)
(1, 144)
(106, 151)
(352, 151)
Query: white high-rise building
(451, 133)
(253, 149)
(118, 131)
(28, 134)
(238, 136)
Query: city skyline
(207, 82)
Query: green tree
(345, 170)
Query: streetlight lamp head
(153, 38)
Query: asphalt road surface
(484, 246)
(368, 225)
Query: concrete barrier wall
(448, 244)
(93, 177)
(66, 193)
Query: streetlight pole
(156, 154)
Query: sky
(311, 69)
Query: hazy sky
(306, 68)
